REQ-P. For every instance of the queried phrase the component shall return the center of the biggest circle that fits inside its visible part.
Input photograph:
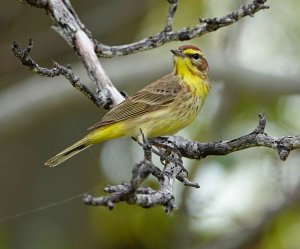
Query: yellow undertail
(96, 136)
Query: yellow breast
(175, 117)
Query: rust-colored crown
(185, 47)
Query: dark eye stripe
(195, 56)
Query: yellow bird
(161, 108)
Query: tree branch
(171, 14)
(132, 193)
(257, 138)
(167, 35)
(68, 25)
(57, 70)
(175, 147)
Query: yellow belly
(166, 121)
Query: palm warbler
(161, 108)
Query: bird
(161, 108)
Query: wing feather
(149, 99)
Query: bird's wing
(151, 98)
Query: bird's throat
(197, 83)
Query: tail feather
(68, 152)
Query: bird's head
(189, 59)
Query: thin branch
(57, 70)
(68, 25)
(167, 35)
(171, 14)
(132, 194)
(197, 150)
(174, 147)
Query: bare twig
(257, 138)
(171, 14)
(132, 192)
(26, 60)
(167, 35)
(68, 25)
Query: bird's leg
(174, 154)
(165, 156)
(171, 154)
(147, 146)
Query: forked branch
(182, 147)
(206, 25)
(57, 70)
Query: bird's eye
(195, 56)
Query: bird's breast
(173, 117)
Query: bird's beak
(177, 52)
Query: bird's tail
(68, 152)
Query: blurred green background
(249, 199)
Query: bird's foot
(145, 143)
(169, 154)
